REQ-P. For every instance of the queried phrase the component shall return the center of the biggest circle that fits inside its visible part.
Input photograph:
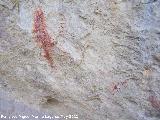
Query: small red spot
(41, 35)
(117, 86)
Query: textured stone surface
(105, 54)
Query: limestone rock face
(98, 59)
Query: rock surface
(99, 60)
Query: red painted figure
(41, 35)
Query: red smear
(41, 35)
(154, 102)
(117, 86)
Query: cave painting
(41, 35)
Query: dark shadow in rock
(50, 101)
(157, 57)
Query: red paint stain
(115, 87)
(154, 102)
(41, 35)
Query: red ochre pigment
(117, 86)
(154, 102)
(41, 35)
